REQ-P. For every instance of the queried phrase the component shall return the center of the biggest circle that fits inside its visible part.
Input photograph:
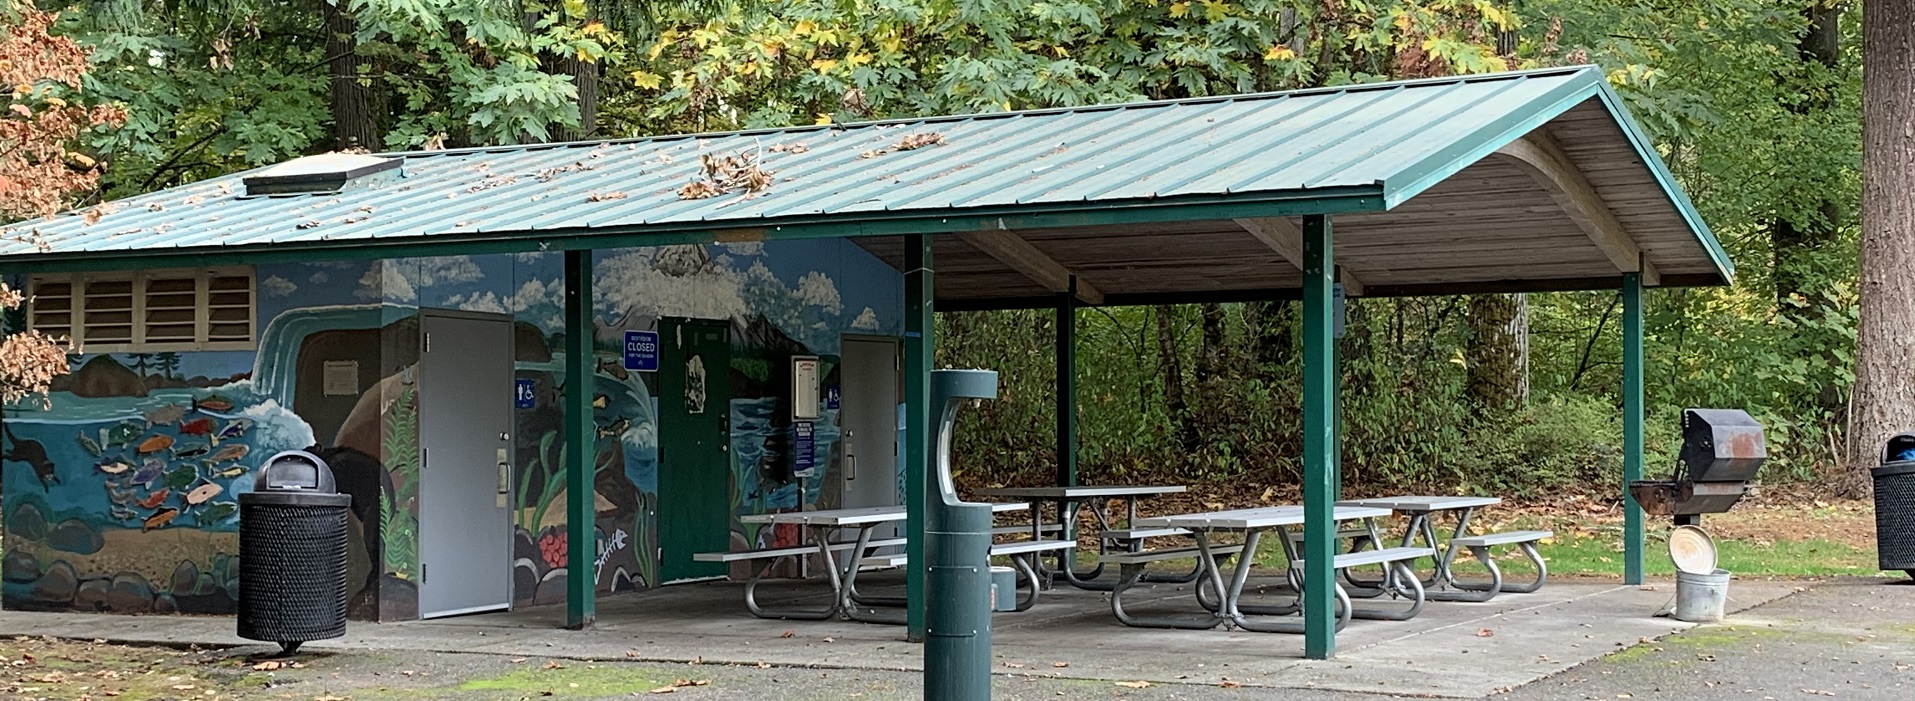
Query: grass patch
(1600, 555)
(589, 681)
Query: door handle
(850, 467)
(505, 479)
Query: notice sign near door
(803, 449)
(641, 350)
(340, 378)
(526, 394)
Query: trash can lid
(1692, 550)
(1891, 469)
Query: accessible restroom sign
(641, 350)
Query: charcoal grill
(1721, 451)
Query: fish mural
(233, 429)
(203, 493)
(214, 403)
(201, 426)
(165, 415)
(229, 453)
(159, 519)
(112, 466)
(155, 444)
(149, 471)
(190, 451)
(89, 445)
(154, 500)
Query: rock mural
(120, 495)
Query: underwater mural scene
(119, 490)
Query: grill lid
(1692, 550)
(1721, 445)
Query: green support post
(1632, 539)
(1067, 386)
(1319, 441)
(919, 344)
(580, 448)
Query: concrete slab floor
(1450, 650)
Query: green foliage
(399, 516)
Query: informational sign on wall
(340, 378)
(641, 350)
(525, 395)
(803, 449)
(832, 395)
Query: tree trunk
(1794, 244)
(1885, 338)
(355, 124)
(1270, 330)
(585, 76)
(1170, 363)
(1493, 354)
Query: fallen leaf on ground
(664, 690)
(787, 634)
(1227, 684)
(1060, 664)
(268, 666)
(1485, 633)
(1134, 685)
(553, 664)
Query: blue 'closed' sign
(641, 350)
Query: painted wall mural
(121, 496)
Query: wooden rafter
(1012, 250)
(1543, 159)
(1286, 238)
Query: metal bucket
(1003, 588)
(1700, 598)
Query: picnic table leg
(1463, 591)
(1067, 558)
(822, 536)
(851, 570)
(1239, 614)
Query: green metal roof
(1364, 148)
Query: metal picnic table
(824, 528)
(1068, 499)
(1252, 523)
(1441, 585)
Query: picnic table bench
(1069, 499)
(1442, 583)
(825, 530)
(1228, 607)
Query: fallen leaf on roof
(306, 225)
(919, 140)
(603, 196)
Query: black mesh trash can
(1895, 505)
(292, 553)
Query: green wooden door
(694, 447)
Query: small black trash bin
(1895, 505)
(292, 553)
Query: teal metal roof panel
(1387, 141)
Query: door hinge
(428, 342)
(424, 457)
(423, 573)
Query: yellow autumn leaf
(823, 119)
(648, 81)
(748, 68)
(824, 64)
(1179, 9)
(803, 27)
(1061, 51)
(1403, 22)
(892, 44)
(1278, 53)
(1216, 9)
(858, 59)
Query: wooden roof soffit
(1012, 250)
(1286, 238)
(1543, 159)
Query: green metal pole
(919, 344)
(1632, 538)
(957, 553)
(581, 450)
(1067, 386)
(1319, 441)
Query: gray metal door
(465, 500)
(867, 414)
